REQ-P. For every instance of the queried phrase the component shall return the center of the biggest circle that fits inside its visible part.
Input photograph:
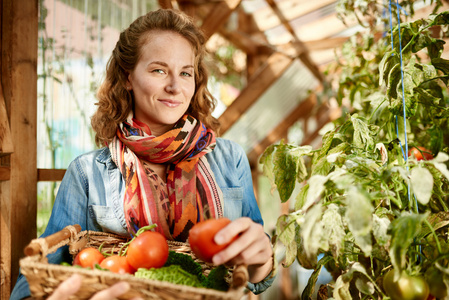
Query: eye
(160, 71)
(186, 74)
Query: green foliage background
(363, 206)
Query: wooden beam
(218, 16)
(6, 146)
(260, 82)
(5, 173)
(302, 110)
(266, 19)
(18, 196)
(50, 174)
(303, 52)
(328, 43)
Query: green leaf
(389, 60)
(301, 197)
(421, 181)
(441, 18)
(441, 64)
(362, 134)
(286, 234)
(403, 231)
(311, 283)
(394, 77)
(284, 169)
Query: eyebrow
(166, 65)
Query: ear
(129, 85)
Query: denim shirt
(91, 195)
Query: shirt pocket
(233, 202)
(105, 217)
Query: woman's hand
(252, 248)
(72, 284)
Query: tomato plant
(117, 264)
(420, 153)
(88, 258)
(407, 287)
(201, 238)
(148, 250)
(358, 205)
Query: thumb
(67, 288)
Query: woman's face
(163, 80)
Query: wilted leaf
(334, 229)
(359, 218)
(365, 286)
(341, 290)
(421, 181)
(316, 188)
(380, 230)
(312, 232)
(442, 168)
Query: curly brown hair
(115, 101)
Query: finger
(113, 291)
(256, 253)
(67, 288)
(250, 243)
(233, 229)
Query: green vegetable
(186, 262)
(174, 274)
(182, 269)
(216, 279)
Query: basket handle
(37, 246)
(239, 277)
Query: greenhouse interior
(325, 121)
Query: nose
(172, 86)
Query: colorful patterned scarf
(190, 193)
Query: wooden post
(18, 195)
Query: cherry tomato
(148, 250)
(406, 287)
(88, 258)
(420, 153)
(117, 264)
(201, 238)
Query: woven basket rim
(34, 265)
(31, 262)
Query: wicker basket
(44, 278)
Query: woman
(162, 163)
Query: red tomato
(420, 153)
(148, 250)
(201, 238)
(117, 264)
(88, 258)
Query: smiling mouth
(170, 103)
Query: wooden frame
(18, 194)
